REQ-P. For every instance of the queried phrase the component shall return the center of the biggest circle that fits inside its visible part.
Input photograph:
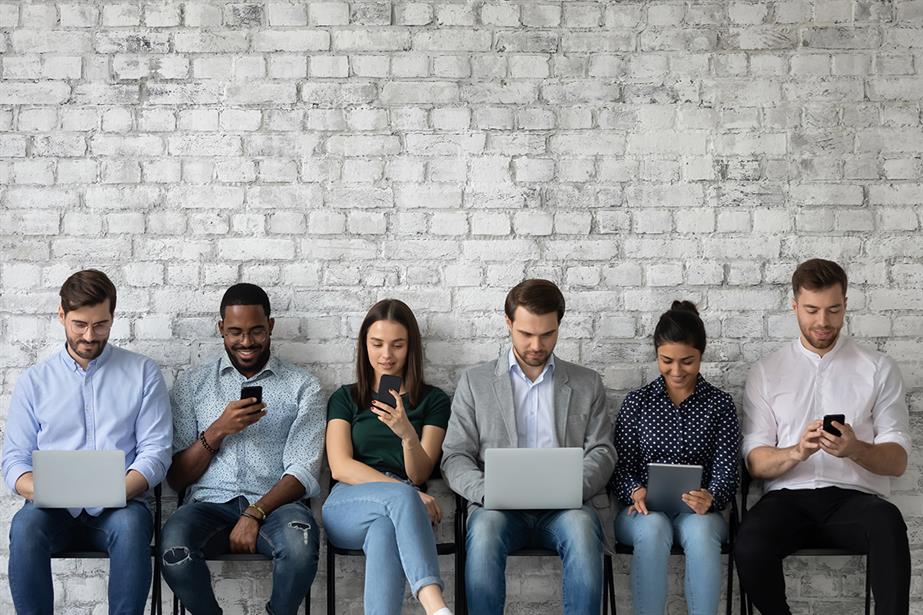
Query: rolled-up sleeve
(20, 436)
(304, 447)
(890, 416)
(760, 427)
(153, 428)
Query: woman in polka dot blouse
(678, 418)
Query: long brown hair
(412, 378)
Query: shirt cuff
(13, 473)
(148, 470)
(898, 437)
(751, 443)
(301, 474)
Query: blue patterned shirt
(119, 402)
(703, 430)
(289, 439)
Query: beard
(255, 366)
(86, 350)
(821, 344)
(534, 359)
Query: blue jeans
(652, 537)
(200, 529)
(575, 534)
(124, 533)
(389, 522)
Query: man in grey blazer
(529, 398)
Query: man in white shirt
(822, 488)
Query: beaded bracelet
(205, 443)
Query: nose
(89, 335)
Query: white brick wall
(440, 151)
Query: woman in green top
(380, 454)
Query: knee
(299, 542)
(885, 520)
(581, 532)
(29, 527)
(652, 528)
(131, 524)
(749, 544)
(485, 529)
(702, 532)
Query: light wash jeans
(576, 535)
(389, 522)
(652, 536)
(198, 529)
(124, 533)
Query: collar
(514, 365)
(841, 341)
(271, 367)
(701, 387)
(71, 364)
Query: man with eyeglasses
(90, 395)
(247, 460)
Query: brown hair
(412, 378)
(537, 296)
(816, 274)
(87, 287)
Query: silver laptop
(666, 484)
(79, 479)
(533, 478)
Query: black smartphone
(387, 383)
(828, 420)
(252, 391)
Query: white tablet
(666, 484)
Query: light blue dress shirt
(120, 402)
(534, 403)
(289, 439)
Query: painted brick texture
(341, 152)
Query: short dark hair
(681, 325)
(245, 294)
(87, 287)
(399, 312)
(537, 296)
(817, 274)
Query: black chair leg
(307, 603)
(331, 580)
(608, 586)
(730, 589)
(868, 587)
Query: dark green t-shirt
(374, 444)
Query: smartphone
(252, 391)
(384, 385)
(829, 428)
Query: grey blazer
(483, 416)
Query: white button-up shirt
(794, 386)
(534, 403)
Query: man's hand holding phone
(239, 414)
(809, 442)
(838, 437)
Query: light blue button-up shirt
(289, 439)
(534, 402)
(120, 402)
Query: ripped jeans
(199, 529)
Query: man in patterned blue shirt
(246, 465)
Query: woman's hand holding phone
(394, 417)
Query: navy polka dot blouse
(703, 430)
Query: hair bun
(685, 306)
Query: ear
(272, 323)
(794, 304)
(61, 315)
(509, 323)
(221, 328)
